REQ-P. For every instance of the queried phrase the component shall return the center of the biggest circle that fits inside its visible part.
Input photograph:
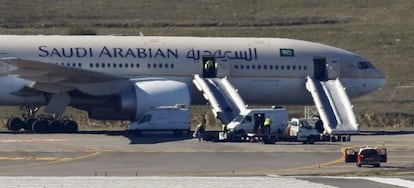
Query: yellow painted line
(30, 158)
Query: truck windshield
(238, 118)
(146, 118)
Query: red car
(366, 156)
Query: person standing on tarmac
(267, 123)
(199, 130)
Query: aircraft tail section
(226, 103)
(333, 105)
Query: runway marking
(33, 158)
(33, 140)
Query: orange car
(366, 156)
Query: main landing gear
(43, 124)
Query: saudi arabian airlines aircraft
(120, 77)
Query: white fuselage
(264, 70)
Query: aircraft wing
(53, 78)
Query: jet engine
(140, 97)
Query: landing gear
(43, 124)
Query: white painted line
(159, 182)
(33, 140)
(392, 181)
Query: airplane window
(288, 67)
(247, 67)
(68, 64)
(294, 67)
(300, 67)
(103, 65)
(265, 67)
(79, 64)
(132, 65)
(137, 65)
(63, 64)
(160, 65)
(73, 64)
(286, 52)
(236, 66)
(166, 65)
(154, 65)
(364, 65)
(108, 65)
(172, 65)
(305, 67)
(114, 65)
(90, 65)
(97, 65)
(241, 67)
(282, 67)
(259, 66)
(120, 65)
(253, 66)
(148, 65)
(126, 65)
(276, 67)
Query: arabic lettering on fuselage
(248, 54)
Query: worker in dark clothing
(209, 68)
(267, 123)
(200, 129)
(319, 125)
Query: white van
(164, 118)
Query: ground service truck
(248, 126)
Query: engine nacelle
(152, 93)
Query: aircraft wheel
(40, 126)
(15, 124)
(28, 124)
(70, 126)
(56, 126)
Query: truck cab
(302, 131)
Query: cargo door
(350, 156)
(382, 152)
(259, 119)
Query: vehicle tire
(28, 124)
(376, 165)
(311, 139)
(40, 126)
(15, 124)
(359, 165)
(70, 126)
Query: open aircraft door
(223, 68)
(333, 69)
(350, 155)
(382, 152)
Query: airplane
(120, 77)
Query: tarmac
(117, 154)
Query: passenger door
(382, 152)
(350, 156)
